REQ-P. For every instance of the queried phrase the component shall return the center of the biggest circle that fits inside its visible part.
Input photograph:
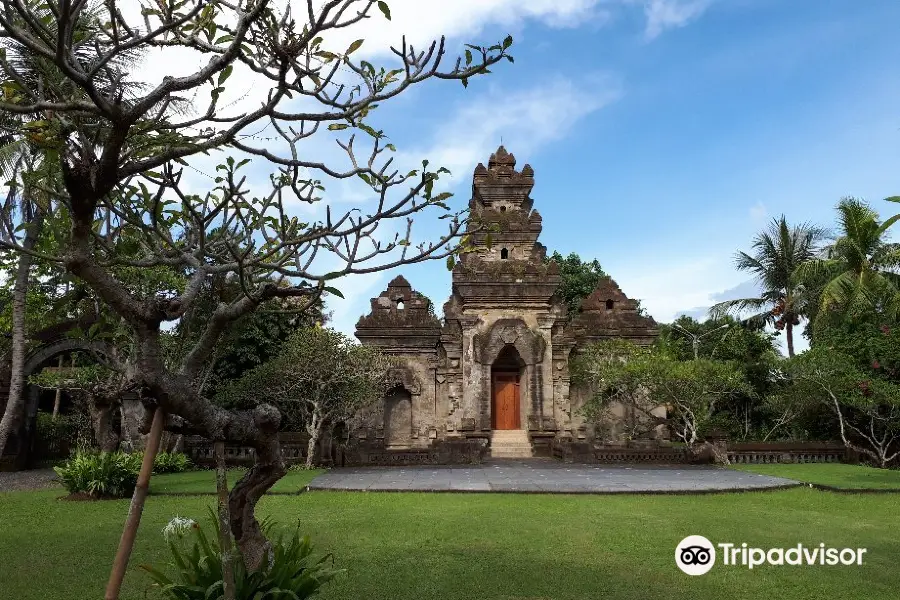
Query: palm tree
(859, 271)
(776, 255)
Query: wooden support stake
(224, 523)
(137, 507)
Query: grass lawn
(399, 546)
(832, 474)
(204, 482)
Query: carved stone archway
(530, 347)
(43, 354)
(529, 344)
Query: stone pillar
(472, 376)
(545, 380)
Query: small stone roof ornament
(501, 158)
(399, 282)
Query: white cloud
(525, 119)
(759, 212)
(423, 21)
(670, 14)
(666, 289)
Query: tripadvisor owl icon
(695, 555)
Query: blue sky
(661, 151)
(663, 133)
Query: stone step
(501, 454)
(510, 443)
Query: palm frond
(736, 307)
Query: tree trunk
(101, 410)
(311, 448)
(268, 469)
(789, 334)
(58, 397)
(15, 405)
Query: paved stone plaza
(546, 476)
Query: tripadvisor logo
(696, 555)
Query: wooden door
(506, 401)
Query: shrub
(100, 474)
(56, 437)
(293, 573)
(171, 462)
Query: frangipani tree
(99, 388)
(124, 147)
(866, 407)
(320, 377)
(659, 390)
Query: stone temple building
(495, 367)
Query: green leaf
(451, 262)
(507, 42)
(510, 58)
(354, 47)
(468, 57)
(383, 7)
(465, 82)
(333, 291)
(337, 126)
(225, 74)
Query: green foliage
(579, 279)
(90, 377)
(100, 474)
(293, 573)
(858, 274)
(747, 346)
(644, 380)
(64, 432)
(112, 474)
(171, 462)
(249, 342)
(320, 374)
(871, 341)
(867, 408)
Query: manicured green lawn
(832, 474)
(204, 482)
(399, 546)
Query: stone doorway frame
(530, 346)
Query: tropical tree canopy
(860, 271)
(775, 256)
(579, 278)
